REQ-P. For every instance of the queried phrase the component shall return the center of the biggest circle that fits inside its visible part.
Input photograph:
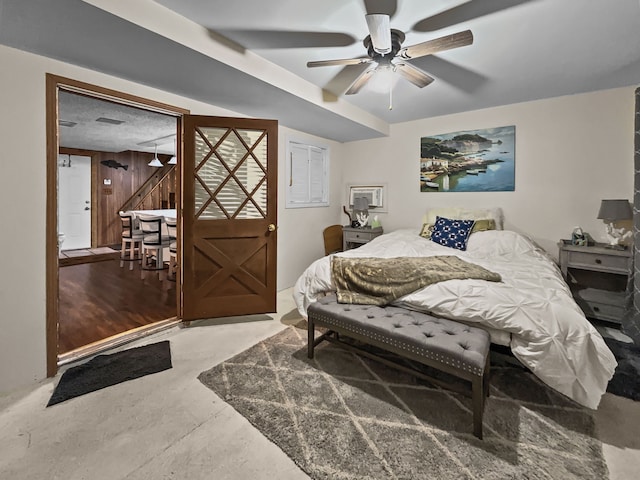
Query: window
(307, 175)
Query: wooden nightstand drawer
(359, 236)
(598, 261)
(354, 237)
(601, 311)
(600, 304)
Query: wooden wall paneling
(114, 188)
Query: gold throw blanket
(379, 281)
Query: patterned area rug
(343, 416)
(626, 380)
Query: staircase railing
(158, 191)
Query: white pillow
(462, 213)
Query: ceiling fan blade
(430, 47)
(262, 39)
(342, 80)
(345, 61)
(413, 74)
(381, 6)
(380, 32)
(360, 82)
(455, 75)
(463, 13)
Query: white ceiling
(249, 56)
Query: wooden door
(229, 207)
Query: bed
(531, 309)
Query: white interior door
(74, 201)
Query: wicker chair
(332, 239)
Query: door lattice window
(230, 173)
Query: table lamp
(361, 210)
(612, 211)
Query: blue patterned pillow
(452, 233)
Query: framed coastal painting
(469, 161)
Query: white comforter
(549, 332)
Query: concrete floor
(169, 426)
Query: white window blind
(307, 175)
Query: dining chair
(172, 230)
(153, 243)
(131, 239)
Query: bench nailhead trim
(454, 362)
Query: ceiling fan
(385, 53)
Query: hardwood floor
(100, 299)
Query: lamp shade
(360, 203)
(615, 210)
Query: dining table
(170, 213)
(160, 212)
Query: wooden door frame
(52, 85)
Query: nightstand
(354, 237)
(597, 277)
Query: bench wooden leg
(478, 396)
(480, 393)
(486, 377)
(311, 341)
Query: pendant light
(173, 160)
(155, 162)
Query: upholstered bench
(445, 345)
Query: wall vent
(109, 120)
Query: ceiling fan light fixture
(380, 32)
(155, 162)
(383, 80)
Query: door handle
(272, 227)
